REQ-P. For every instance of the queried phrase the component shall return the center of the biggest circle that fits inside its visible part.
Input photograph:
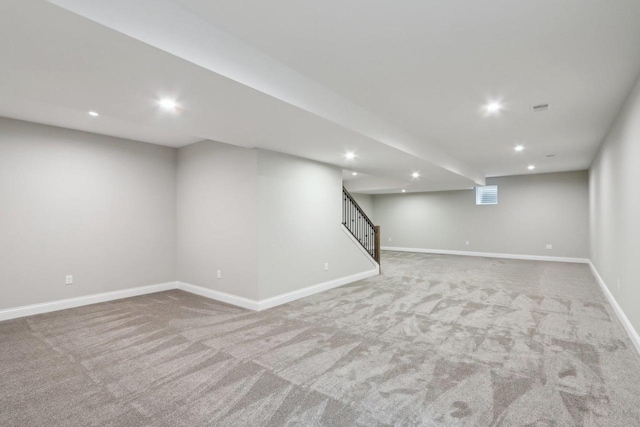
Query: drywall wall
(365, 201)
(533, 211)
(99, 208)
(119, 214)
(217, 218)
(615, 209)
(299, 225)
(268, 221)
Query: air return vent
(539, 108)
(487, 195)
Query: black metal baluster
(359, 224)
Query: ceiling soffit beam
(176, 31)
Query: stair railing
(360, 226)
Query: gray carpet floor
(434, 341)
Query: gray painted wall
(100, 208)
(268, 221)
(533, 210)
(299, 225)
(217, 217)
(119, 214)
(615, 208)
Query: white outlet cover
(68, 280)
(219, 274)
(549, 246)
(326, 266)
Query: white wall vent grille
(487, 195)
(540, 107)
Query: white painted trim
(633, 335)
(236, 300)
(488, 254)
(359, 246)
(251, 304)
(46, 307)
(321, 287)
(259, 305)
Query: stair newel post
(377, 244)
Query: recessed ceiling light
(519, 148)
(493, 107)
(531, 167)
(415, 175)
(354, 173)
(350, 155)
(93, 114)
(404, 191)
(168, 104)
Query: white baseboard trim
(251, 304)
(238, 301)
(488, 254)
(47, 307)
(259, 305)
(321, 287)
(633, 335)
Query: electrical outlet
(326, 266)
(389, 238)
(68, 280)
(466, 243)
(219, 274)
(549, 246)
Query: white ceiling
(400, 83)
(428, 65)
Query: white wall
(99, 208)
(217, 218)
(533, 210)
(299, 225)
(615, 209)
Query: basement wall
(99, 208)
(299, 225)
(532, 212)
(615, 209)
(217, 218)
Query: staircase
(360, 226)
